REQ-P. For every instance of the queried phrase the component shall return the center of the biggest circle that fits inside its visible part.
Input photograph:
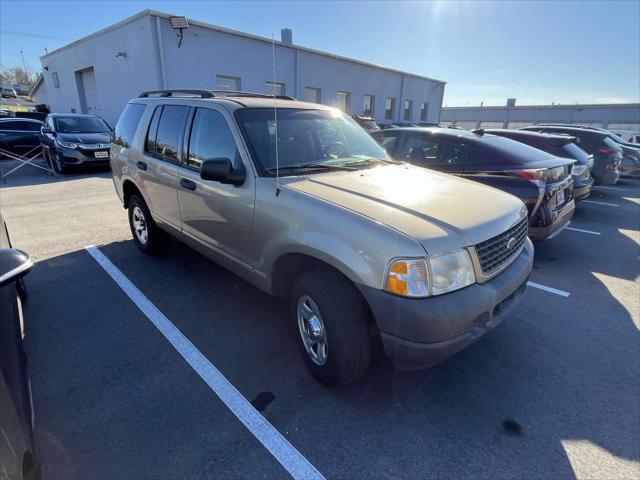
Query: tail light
(608, 151)
(539, 175)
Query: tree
(13, 75)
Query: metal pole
(24, 66)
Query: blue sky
(539, 52)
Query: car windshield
(75, 124)
(306, 139)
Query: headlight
(451, 271)
(435, 275)
(67, 144)
(408, 277)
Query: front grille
(494, 253)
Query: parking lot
(552, 393)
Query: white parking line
(583, 231)
(285, 453)
(562, 293)
(602, 203)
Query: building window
(520, 124)
(231, 84)
(275, 88)
(369, 103)
(491, 124)
(312, 94)
(408, 109)
(424, 110)
(343, 99)
(56, 80)
(389, 108)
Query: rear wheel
(331, 326)
(148, 237)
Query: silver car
(299, 200)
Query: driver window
(210, 137)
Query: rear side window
(210, 138)
(455, 154)
(571, 150)
(128, 124)
(164, 140)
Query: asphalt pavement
(554, 392)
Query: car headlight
(451, 271)
(67, 144)
(435, 275)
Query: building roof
(558, 106)
(38, 83)
(217, 28)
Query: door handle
(141, 165)
(188, 184)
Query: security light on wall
(179, 23)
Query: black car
(75, 140)
(607, 154)
(560, 146)
(367, 123)
(18, 458)
(542, 181)
(19, 135)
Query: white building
(101, 72)
(620, 117)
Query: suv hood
(441, 211)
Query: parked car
(34, 115)
(607, 154)
(353, 238)
(540, 180)
(19, 136)
(367, 123)
(561, 146)
(8, 92)
(634, 139)
(630, 165)
(18, 456)
(76, 140)
(4, 113)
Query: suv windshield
(306, 139)
(80, 125)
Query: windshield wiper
(311, 166)
(373, 160)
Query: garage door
(90, 102)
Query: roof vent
(286, 36)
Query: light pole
(24, 66)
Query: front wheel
(57, 163)
(331, 323)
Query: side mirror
(14, 264)
(221, 170)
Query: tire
(343, 321)
(150, 239)
(57, 164)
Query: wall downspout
(399, 109)
(163, 73)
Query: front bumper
(629, 168)
(607, 178)
(82, 157)
(418, 333)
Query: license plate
(101, 154)
(560, 197)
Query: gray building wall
(154, 61)
(617, 117)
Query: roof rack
(175, 92)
